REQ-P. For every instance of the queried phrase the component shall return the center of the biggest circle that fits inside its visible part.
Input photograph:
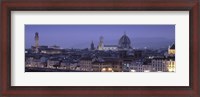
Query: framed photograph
(140, 48)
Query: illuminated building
(110, 47)
(101, 45)
(85, 64)
(141, 66)
(159, 64)
(171, 65)
(137, 67)
(124, 44)
(171, 62)
(171, 50)
(107, 65)
(45, 49)
(107, 70)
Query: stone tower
(36, 42)
(100, 46)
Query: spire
(101, 38)
(92, 46)
(124, 32)
(36, 39)
(36, 42)
(92, 43)
(100, 46)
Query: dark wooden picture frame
(193, 90)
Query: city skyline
(111, 48)
(81, 36)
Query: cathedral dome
(124, 42)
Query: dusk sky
(81, 36)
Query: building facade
(124, 43)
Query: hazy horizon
(81, 36)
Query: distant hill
(151, 42)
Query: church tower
(100, 46)
(36, 42)
(171, 50)
(92, 46)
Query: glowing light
(103, 69)
(171, 69)
(106, 70)
(109, 69)
(133, 70)
(146, 70)
(171, 66)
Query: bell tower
(100, 46)
(36, 42)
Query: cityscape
(100, 48)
